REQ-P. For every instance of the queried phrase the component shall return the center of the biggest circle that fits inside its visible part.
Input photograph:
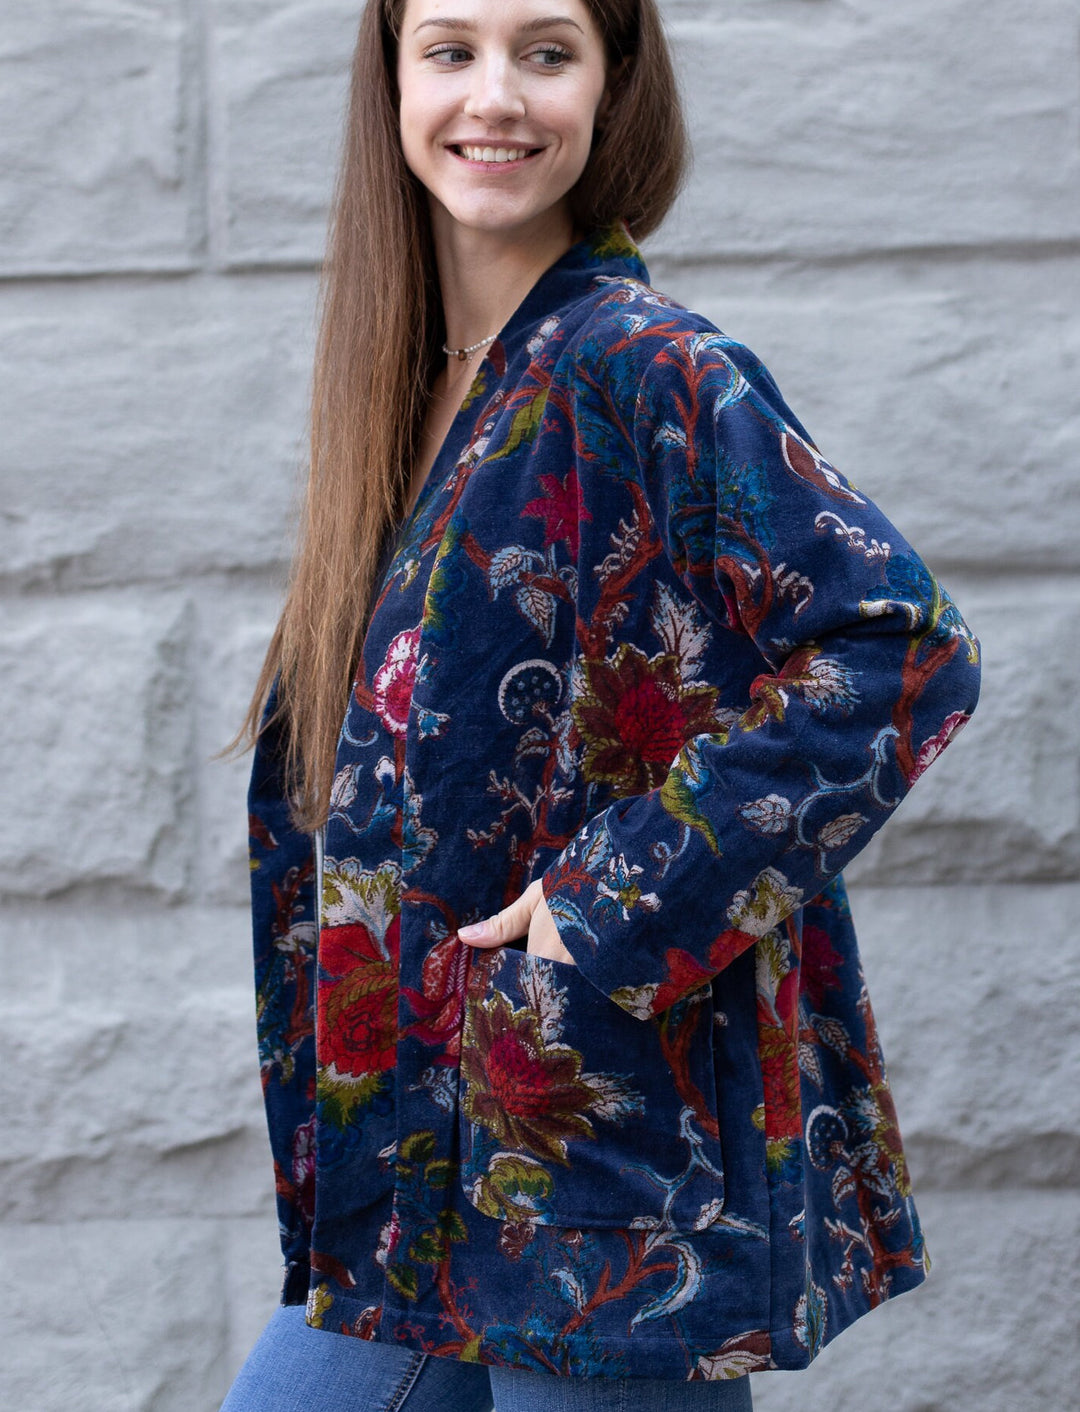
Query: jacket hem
(623, 1357)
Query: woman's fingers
(530, 915)
(504, 926)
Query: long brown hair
(378, 352)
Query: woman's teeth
(494, 154)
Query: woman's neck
(484, 276)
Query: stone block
(129, 951)
(974, 988)
(1003, 801)
(948, 390)
(835, 129)
(136, 1030)
(99, 137)
(152, 432)
(135, 1109)
(117, 1316)
(282, 69)
(95, 745)
(993, 1328)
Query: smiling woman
(585, 690)
(497, 118)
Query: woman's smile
(471, 81)
(489, 157)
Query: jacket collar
(607, 251)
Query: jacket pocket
(574, 1113)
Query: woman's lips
(494, 165)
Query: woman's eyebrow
(544, 22)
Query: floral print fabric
(640, 640)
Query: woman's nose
(495, 92)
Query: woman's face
(498, 102)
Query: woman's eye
(446, 51)
(560, 56)
(551, 56)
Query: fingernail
(476, 931)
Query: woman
(593, 1108)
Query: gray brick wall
(886, 206)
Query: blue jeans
(294, 1368)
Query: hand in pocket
(530, 915)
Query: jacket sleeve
(867, 670)
(283, 923)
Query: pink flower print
(303, 1170)
(389, 1236)
(930, 749)
(561, 510)
(393, 686)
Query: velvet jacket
(640, 640)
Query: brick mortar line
(195, 116)
(984, 577)
(1006, 251)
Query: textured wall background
(886, 207)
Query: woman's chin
(510, 223)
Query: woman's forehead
(462, 15)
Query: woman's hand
(530, 913)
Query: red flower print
(357, 1009)
(438, 1007)
(636, 715)
(683, 975)
(780, 1082)
(561, 510)
(530, 1092)
(393, 685)
(729, 945)
(820, 962)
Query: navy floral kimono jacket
(637, 639)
